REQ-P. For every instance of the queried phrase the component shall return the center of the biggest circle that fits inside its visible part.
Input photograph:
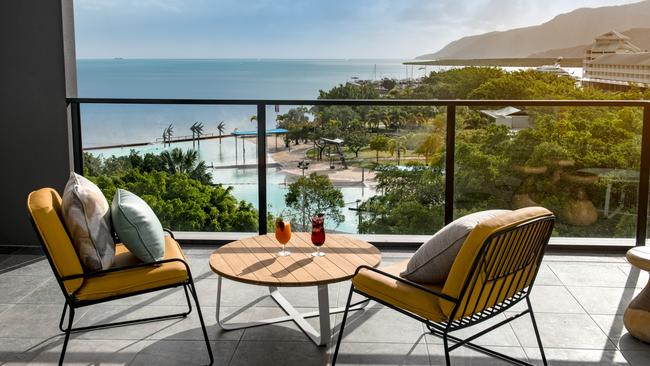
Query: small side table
(637, 314)
(255, 261)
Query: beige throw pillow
(432, 262)
(88, 218)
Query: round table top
(255, 260)
(639, 257)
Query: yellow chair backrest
(44, 206)
(498, 260)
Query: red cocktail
(318, 234)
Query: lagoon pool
(227, 170)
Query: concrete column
(37, 72)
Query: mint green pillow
(137, 226)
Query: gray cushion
(432, 262)
(87, 216)
(137, 226)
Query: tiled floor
(579, 302)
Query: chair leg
(539, 339)
(65, 308)
(445, 344)
(345, 317)
(189, 303)
(198, 310)
(67, 334)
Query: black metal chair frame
(72, 303)
(511, 260)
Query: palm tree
(178, 162)
(193, 129)
(398, 144)
(431, 147)
(167, 135)
(221, 127)
(198, 129)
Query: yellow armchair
(494, 270)
(127, 277)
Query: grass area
(513, 62)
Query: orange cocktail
(283, 235)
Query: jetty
(210, 136)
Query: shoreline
(498, 62)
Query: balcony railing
(450, 144)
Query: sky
(331, 29)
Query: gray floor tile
(233, 293)
(465, 356)
(566, 357)
(38, 266)
(21, 257)
(642, 277)
(89, 352)
(308, 296)
(14, 288)
(589, 274)
(162, 353)
(286, 331)
(48, 292)
(637, 358)
(108, 313)
(551, 299)
(585, 257)
(546, 277)
(4, 307)
(190, 328)
(562, 331)
(370, 354)
(344, 291)
(604, 300)
(613, 326)
(33, 321)
(501, 336)
(19, 351)
(279, 353)
(380, 324)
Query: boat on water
(555, 69)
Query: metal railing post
(261, 167)
(450, 161)
(77, 148)
(644, 179)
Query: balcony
(579, 300)
(583, 287)
(432, 161)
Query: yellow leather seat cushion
(135, 280)
(398, 293)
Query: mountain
(566, 30)
(638, 36)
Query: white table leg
(324, 315)
(319, 338)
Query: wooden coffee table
(255, 261)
